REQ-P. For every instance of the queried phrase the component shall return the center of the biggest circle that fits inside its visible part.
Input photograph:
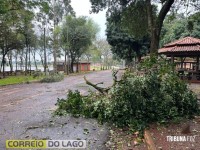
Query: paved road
(26, 112)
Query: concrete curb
(149, 140)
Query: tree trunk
(68, 62)
(155, 38)
(34, 59)
(21, 62)
(26, 55)
(88, 61)
(41, 60)
(65, 64)
(16, 61)
(29, 52)
(77, 66)
(55, 56)
(45, 54)
(26, 60)
(3, 63)
(54, 39)
(9, 55)
(139, 58)
(1, 66)
(72, 66)
(155, 23)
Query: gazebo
(185, 54)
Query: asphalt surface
(26, 112)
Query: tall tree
(124, 44)
(8, 42)
(105, 51)
(179, 27)
(60, 8)
(26, 29)
(9, 29)
(154, 21)
(79, 33)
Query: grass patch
(17, 80)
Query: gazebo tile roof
(164, 49)
(187, 44)
(186, 48)
(184, 41)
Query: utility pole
(29, 59)
(54, 38)
(45, 54)
(68, 62)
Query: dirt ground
(26, 112)
(160, 133)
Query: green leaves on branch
(137, 101)
(125, 45)
(52, 78)
(134, 19)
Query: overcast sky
(82, 8)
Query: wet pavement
(26, 112)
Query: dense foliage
(125, 45)
(55, 77)
(142, 16)
(77, 34)
(179, 26)
(137, 100)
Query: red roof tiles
(183, 45)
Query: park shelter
(82, 66)
(185, 54)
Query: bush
(73, 105)
(53, 78)
(90, 106)
(37, 74)
(137, 101)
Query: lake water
(7, 68)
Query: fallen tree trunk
(100, 89)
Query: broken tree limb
(100, 89)
(99, 83)
(114, 74)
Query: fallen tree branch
(99, 83)
(114, 74)
(100, 89)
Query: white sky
(82, 8)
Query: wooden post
(197, 65)
(172, 61)
(181, 62)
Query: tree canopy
(125, 45)
(136, 12)
(77, 35)
(179, 27)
